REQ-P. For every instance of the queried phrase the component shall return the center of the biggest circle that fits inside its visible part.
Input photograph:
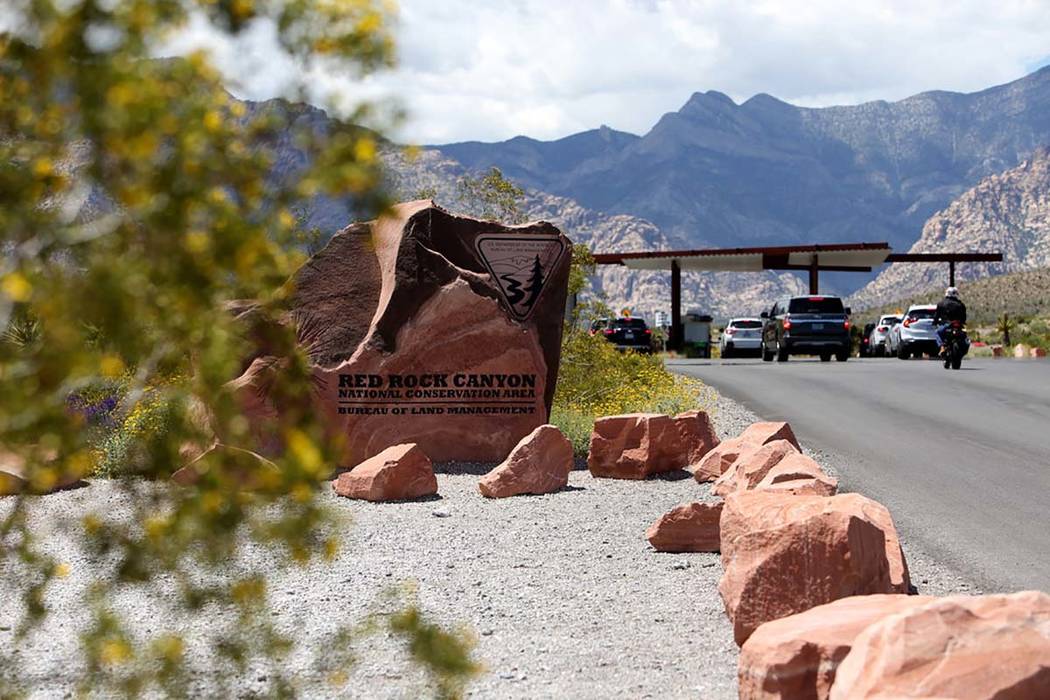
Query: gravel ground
(565, 596)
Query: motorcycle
(956, 345)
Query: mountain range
(765, 172)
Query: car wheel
(825, 357)
(902, 352)
(726, 354)
(842, 355)
(782, 353)
(767, 355)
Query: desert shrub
(182, 215)
(598, 380)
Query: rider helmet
(952, 292)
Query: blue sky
(548, 68)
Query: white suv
(916, 334)
(880, 334)
(741, 335)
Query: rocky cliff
(1007, 212)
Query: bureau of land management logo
(520, 264)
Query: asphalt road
(961, 458)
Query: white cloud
(547, 68)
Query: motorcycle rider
(949, 309)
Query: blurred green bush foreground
(114, 327)
(113, 311)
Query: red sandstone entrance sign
(520, 265)
(425, 327)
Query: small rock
(540, 463)
(689, 527)
(440, 513)
(397, 473)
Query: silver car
(881, 333)
(741, 335)
(916, 334)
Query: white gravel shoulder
(564, 595)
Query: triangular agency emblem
(520, 264)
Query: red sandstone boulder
(634, 446)
(997, 351)
(752, 465)
(1038, 352)
(797, 656)
(696, 435)
(784, 554)
(761, 433)
(721, 457)
(540, 463)
(401, 472)
(962, 647)
(14, 477)
(799, 475)
(690, 527)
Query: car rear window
(746, 324)
(634, 323)
(815, 305)
(890, 321)
(921, 313)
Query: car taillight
(787, 323)
(609, 331)
(845, 324)
(908, 321)
(883, 329)
(730, 331)
(648, 331)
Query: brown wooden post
(677, 332)
(814, 275)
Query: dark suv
(629, 333)
(810, 325)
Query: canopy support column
(814, 275)
(951, 273)
(677, 332)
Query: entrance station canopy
(859, 257)
(835, 257)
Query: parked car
(865, 340)
(627, 332)
(916, 334)
(741, 335)
(809, 325)
(882, 330)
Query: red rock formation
(697, 436)
(540, 463)
(962, 647)
(420, 327)
(761, 433)
(720, 458)
(752, 465)
(634, 446)
(798, 656)
(400, 472)
(689, 527)
(784, 554)
(799, 475)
